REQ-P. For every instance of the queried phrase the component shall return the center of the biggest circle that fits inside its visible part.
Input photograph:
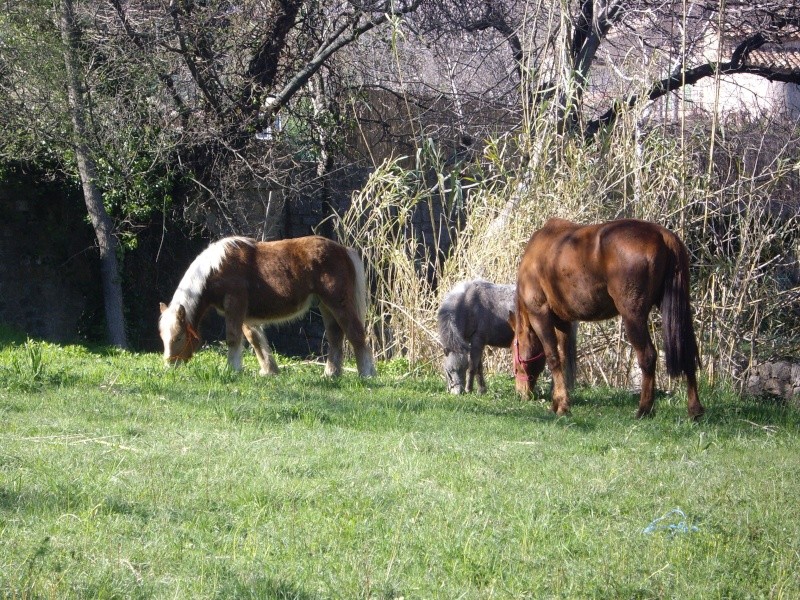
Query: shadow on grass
(728, 413)
(752, 411)
(63, 497)
(10, 337)
(303, 395)
(260, 588)
(300, 393)
(372, 405)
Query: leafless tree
(228, 71)
(565, 51)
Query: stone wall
(777, 378)
(49, 264)
(49, 270)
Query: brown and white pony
(253, 283)
(572, 272)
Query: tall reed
(729, 190)
(741, 228)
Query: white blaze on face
(168, 329)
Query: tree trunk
(322, 113)
(87, 169)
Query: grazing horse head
(529, 359)
(179, 337)
(455, 371)
(187, 305)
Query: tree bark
(322, 117)
(87, 169)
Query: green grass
(119, 479)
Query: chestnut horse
(573, 272)
(253, 283)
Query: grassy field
(119, 479)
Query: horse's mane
(193, 282)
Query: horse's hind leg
(358, 338)
(335, 335)
(255, 335)
(696, 409)
(639, 337)
(346, 320)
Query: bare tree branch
(333, 44)
(736, 65)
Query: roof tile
(775, 58)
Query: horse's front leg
(235, 311)
(255, 335)
(476, 367)
(545, 329)
(235, 343)
(560, 404)
(471, 366)
(566, 338)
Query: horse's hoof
(696, 415)
(525, 393)
(645, 414)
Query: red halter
(191, 335)
(524, 362)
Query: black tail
(680, 344)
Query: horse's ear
(180, 313)
(162, 307)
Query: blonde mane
(194, 280)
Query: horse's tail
(680, 344)
(449, 334)
(360, 291)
